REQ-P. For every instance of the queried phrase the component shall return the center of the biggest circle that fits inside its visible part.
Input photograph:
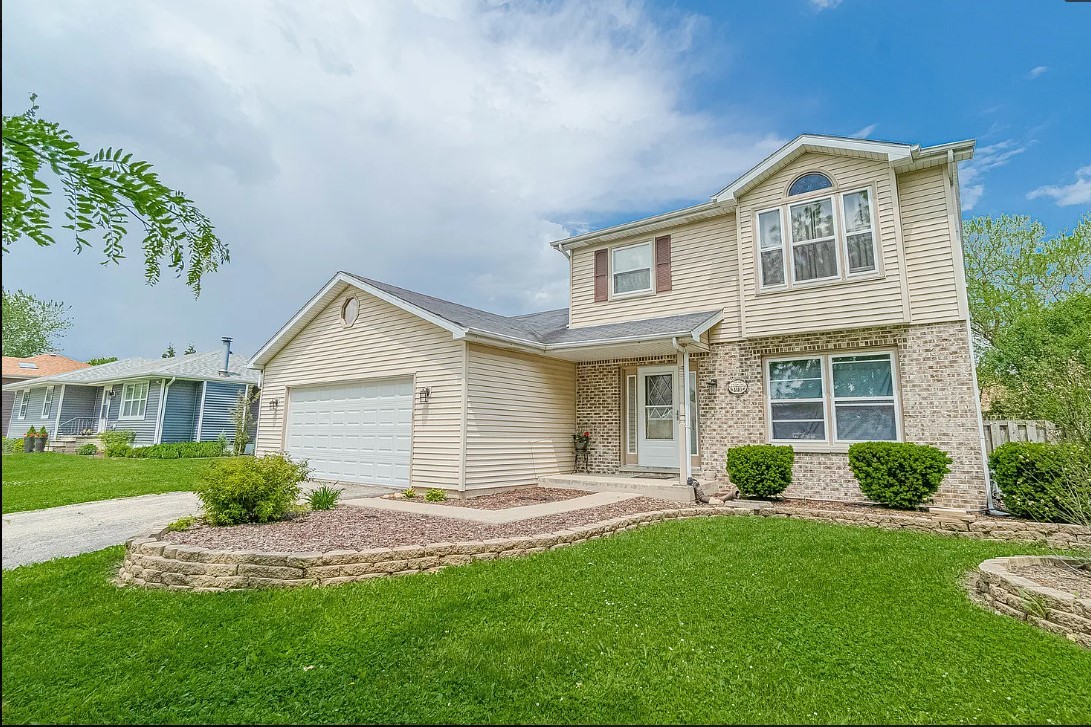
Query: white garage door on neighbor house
(357, 432)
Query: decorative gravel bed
(1065, 578)
(516, 498)
(358, 528)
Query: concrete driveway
(39, 535)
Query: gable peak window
(350, 310)
(810, 182)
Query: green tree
(102, 360)
(169, 353)
(189, 349)
(106, 191)
(32, 326)
(1012, 269)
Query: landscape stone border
(996, 586)
(154, 563)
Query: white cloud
(986, 158)
(1079, 192)
(437, 145)
(864, 132)
(1036, 71)
(824, 4)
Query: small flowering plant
(582, 440)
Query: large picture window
(828, 237)
(134, 400)
(833, 398)
(632, 268)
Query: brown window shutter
(602, 276)
(662, 263)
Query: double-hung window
(24, 403)
(632, 268)
(47, 402)
(833, 398)
(828, 235)
(134, 400)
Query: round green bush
(87, 449)
(760, 470)
(1034, 481)
(250, 489)
(898, 474)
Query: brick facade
(938, 403)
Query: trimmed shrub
(237, 490)
(760, 470)
(180, 450)
(13, 446)
(87, 449)
(898, 474)
(1037, 481)
(324, 497)
(118, 442)
(435, 495)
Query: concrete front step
(659, 489)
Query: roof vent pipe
(224, 370)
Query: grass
(721, 620)
(48, 479)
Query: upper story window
(828, 236)
(809, 183)
(350, 310)
(632, 268)
(134, 400)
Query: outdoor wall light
(274, 403)
(712, 384)
(423, 393)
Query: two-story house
(816, 301)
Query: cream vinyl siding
(855, 302)
(384, 342)
(929, 253)
(704, 276)
(520, 415)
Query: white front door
(657, 421)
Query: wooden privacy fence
(1002, 431)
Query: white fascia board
(305, 314)
(893, 152)
(647, 224)
(700, 330)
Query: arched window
(810, 182)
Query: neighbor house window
(47, 402)
(834, 398)
(632, 268)
(804, 241)
(24, 402)
(134, 400)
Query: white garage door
(356, 432)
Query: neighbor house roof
(545, 332)
(902, 157)
(195, 366)
(32, 367)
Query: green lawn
(720, 620)
(34, 481)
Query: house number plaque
(737, 387)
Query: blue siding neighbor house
(163, 400)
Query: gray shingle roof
(549, 328)
(201, 366)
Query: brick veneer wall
(934, 364)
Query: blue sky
(440, 145)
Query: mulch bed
(349, 527)
(515, 498)
(1064, 578)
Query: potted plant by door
(583, 441)
(40, 440)
(28, 440)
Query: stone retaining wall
(151, 562)
(1048, 608)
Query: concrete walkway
(40, 535)
(495, 517)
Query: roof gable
(47, 364)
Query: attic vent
(27, 365)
